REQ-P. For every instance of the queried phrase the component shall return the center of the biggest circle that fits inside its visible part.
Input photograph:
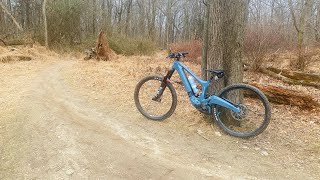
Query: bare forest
(69, 68)
(271, 24)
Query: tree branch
(293, 15)
(13, 19)
(3, 42)
(204, 2)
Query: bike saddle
(218, 73)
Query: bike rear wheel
(159, 109)
(255, 111)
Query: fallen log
(17, 42)
(15, 57)
(3, 42)
(296, 75)
(289, 80)
(281, 95)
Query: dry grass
(285, 59)
(22, 53)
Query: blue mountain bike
(240, 110)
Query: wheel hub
(241, 115)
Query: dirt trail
(64, 138)
(54, 127)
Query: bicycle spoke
(154, 108)
(254, 116)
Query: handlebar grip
(171, 55)
(177, 55)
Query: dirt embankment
(62, 117)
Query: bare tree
(317, 25)
(12, 18)
(300, 28)
(160, 21)
(45, 22)
(128, 18)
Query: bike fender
(222, 102)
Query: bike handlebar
(178, 55)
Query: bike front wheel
(255, 111)
(159, 108)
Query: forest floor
(66, 118)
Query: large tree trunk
(226, 33)
(215, 39)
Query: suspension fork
(163, 85)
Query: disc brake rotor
(241, 115)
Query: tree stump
(102, 48)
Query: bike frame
(202, 100)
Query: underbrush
(131, 46)
(194, 48)
(120, 44)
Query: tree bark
(204, 62)
(226, 35)
(215, 40)
(225, 42)
(44, 14)
(142, 17)
(169, 23)
(94, 18)
(109, 16)
(317, 33)
(128, 18)
(152, 24)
